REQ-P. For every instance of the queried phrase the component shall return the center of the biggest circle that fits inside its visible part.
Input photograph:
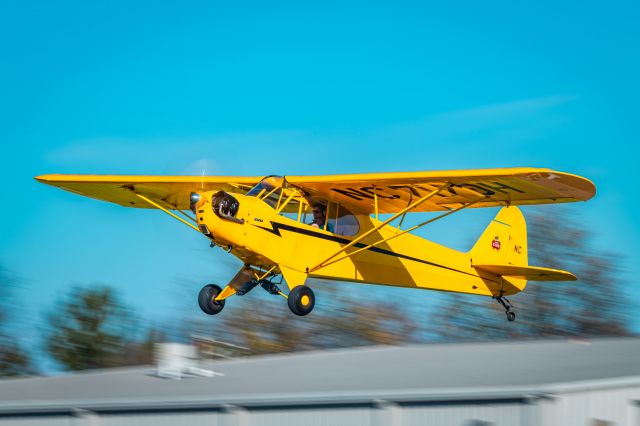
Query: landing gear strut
(247, 287)
(511, 316)
(269, 286)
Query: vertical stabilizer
(504, 241)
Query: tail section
(502, 250)
(504, 242)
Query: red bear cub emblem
(496, 243)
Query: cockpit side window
(272, 197)
(338, 220)
(344, 222)
(294, 203)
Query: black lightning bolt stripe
(276, 227)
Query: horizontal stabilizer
(532, 273)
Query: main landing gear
(301, 299)
(511, 316)
(207, 299)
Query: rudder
(504, 241)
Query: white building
(504, 384)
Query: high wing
(173, 191)
(395, 191)
(493, 187)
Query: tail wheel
(301, 300)
(206, 299)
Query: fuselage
(260, 236)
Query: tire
(511, 316)
(206, 299)
(301, 300)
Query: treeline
(14, 359)
(93, 328)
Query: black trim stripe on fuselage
(277, 226)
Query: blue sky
(296, 88)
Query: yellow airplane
(329, 227)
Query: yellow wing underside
(394, 191)
(173, 191)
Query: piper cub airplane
(328, 227)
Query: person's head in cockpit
(320, 216)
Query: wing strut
(159, 206)
(413, 228)
(386, 222)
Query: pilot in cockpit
(320, 217)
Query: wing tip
(586, 186)
(590, 188)
(43, 178)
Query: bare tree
(14, 361)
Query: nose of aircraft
(217, 215)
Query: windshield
(269, 190)
(265, 186)
(260, 188)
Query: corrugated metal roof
(432, 371)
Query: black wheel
(511, 316)
(206, 299)
(301, 300)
